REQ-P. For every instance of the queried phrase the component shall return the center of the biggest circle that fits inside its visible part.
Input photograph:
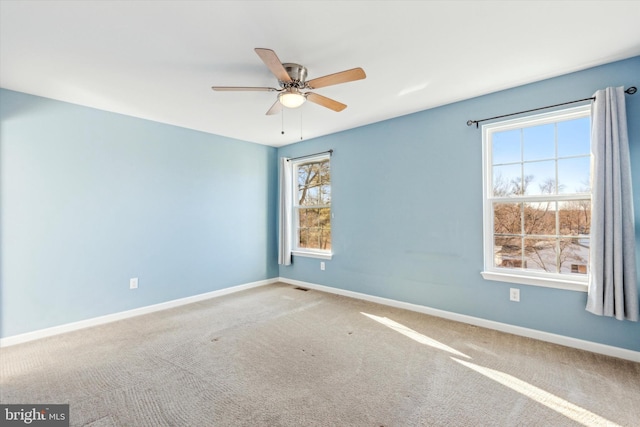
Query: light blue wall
(90, 199)
(407, 200)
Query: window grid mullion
(542, 198)
(556, 185)
(576, 156)
(522, 226)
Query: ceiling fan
(294, 85)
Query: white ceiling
(158, 59)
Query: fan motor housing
(298, 74)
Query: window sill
(309, 254)
(547, 282)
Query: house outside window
(537, 199)
(312, 207)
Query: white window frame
(521, 276)
(296, 250)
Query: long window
(537, 198)
(312, 206)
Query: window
(312, 207)
(537, 199)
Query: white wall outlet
(133, 283)
(514, 294)
(322, 265)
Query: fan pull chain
(300, 124)
(282, 123)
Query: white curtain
(285, 190)
(613, 286)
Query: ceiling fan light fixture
(292, 78)
(291, 98)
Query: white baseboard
(489, 324)
(593, 347)
(68, 327)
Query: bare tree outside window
(313, 205)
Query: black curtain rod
(311, 155)
(629, 91)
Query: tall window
(312, 206)
(537, 198)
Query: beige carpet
(278, 356)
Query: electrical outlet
(514, 294)
(322, 265)
(133, 283)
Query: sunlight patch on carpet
(549, 400)
(416, 336)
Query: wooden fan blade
(272, 62)
(325, 102)
(275, 108)
(337, 78)
(242, 88)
